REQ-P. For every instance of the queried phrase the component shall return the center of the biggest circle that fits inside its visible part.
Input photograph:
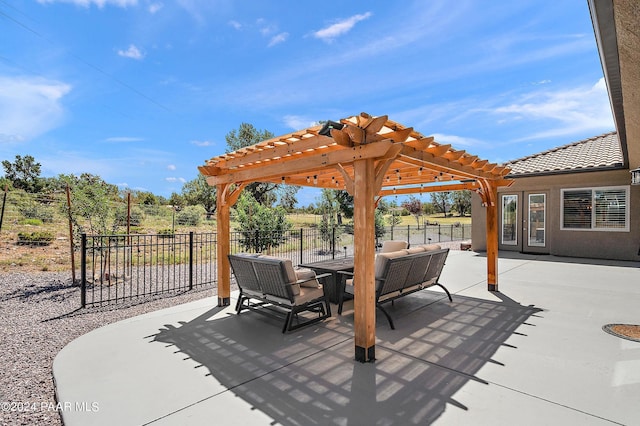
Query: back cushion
(393, 245)
(431, 247)
(287, 267)
(381, 261)
(412, 250)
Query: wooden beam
(277, 151)
(490, 196)
(364, 256)
(223, 245)
(307, 164)
(348, 180)
(429, 188)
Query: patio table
(332, 266)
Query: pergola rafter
(370, 157)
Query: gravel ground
(40, 313)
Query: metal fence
(121, 268)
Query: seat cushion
(308, 295)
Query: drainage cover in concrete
(625, 331)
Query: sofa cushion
(413, 250)
(393, 245)
(287, 266)
(381, 261)
(431, 247)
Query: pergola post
(492, 236)
(364, 256)
(223, 245)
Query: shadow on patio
(309, 377)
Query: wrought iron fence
(121, 268)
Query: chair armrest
(350, 273)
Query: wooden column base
(492, 287)
(224, 301)
(365, 354)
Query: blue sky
(141, 92)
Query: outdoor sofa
(400, 273)
(270, 284)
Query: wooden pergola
(370, 157)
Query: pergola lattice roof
(414, 162)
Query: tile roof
(598, 152)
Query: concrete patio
(533, 353)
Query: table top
(340, 264)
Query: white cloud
(456, 141)
(132, 52)
(235, 24)
(175, 179)
(203, 143)
(155, 7)
(99, 3)
(277, 39)
(297, 122)
(329, 33)
(568, 111)
(118, 139)
(171, 167)
(30, 107)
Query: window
(597, 209)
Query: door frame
(521, 224)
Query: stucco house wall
(620, 245)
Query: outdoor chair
(269, 284)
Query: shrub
(34, 222)
(166, 233)
(42, 238)
(136, 216)
(37, 211)
(190, 216)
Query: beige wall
(592, 244)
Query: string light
(315, 179)
(308, 179)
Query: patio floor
(534, 353)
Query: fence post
(333, 242)
(190, 260)
(301, 234)
(439, 233)
(83, 270)
(408, 235)
(4, 201)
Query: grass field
(54, 254)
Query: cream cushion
(393, 245)
(381, 260)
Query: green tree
(345, 202)
(263, 192)
(91, 204)
(462, 201)
(441, 201)
(24, 173)
(199, 192)
(413, 206)
(261, 227)
(329, 207)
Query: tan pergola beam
(282, 167)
